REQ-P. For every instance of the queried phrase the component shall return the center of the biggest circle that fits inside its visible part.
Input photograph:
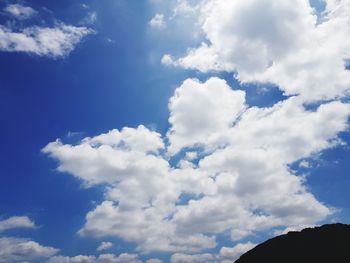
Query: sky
(178, 131)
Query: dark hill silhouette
(328, 243)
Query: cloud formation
(56, 41)
(223, 167)
(234, 170)
(233, 253)
(103, 258)
(158, 22)
(225, 255)
(104, 246)
(22, 250)
(16, 222)
(275, 42)
(202, 120)
(20, 11)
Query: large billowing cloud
(202, 120)
(224, 167)
(281, 42)
(236, 176)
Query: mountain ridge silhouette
(327, 243)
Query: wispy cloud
(104, 246)
(54, 42)
(90, 19)
(158, 21)
(20, 11)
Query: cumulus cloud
(224, 167)
(20, 250)
(104, 246)
(235, 170)
(20, 11)
(276, 42)
(158, 21)
(16, 222)
(225, 255)
(111, 157)
(55, 42)
(196, 258)
(103, 258)
(203, 119)
(233, 253)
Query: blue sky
(173, 131)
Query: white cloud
(202, 120)
(183, 8)
(278, 42)
(233, 253)
(226, 255)
(305, 164)
(56, 41)
(103, 258)
(242, 183)
(16, 222)
(138, 179)
(104, 246)
(167, 60)
(75, 259)
(197, 258)
(234, 172)
(158, 21)
(112, 157)
(20, 249)
(19, 11)
(154, 260)
(90, 19)
(151, 231)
